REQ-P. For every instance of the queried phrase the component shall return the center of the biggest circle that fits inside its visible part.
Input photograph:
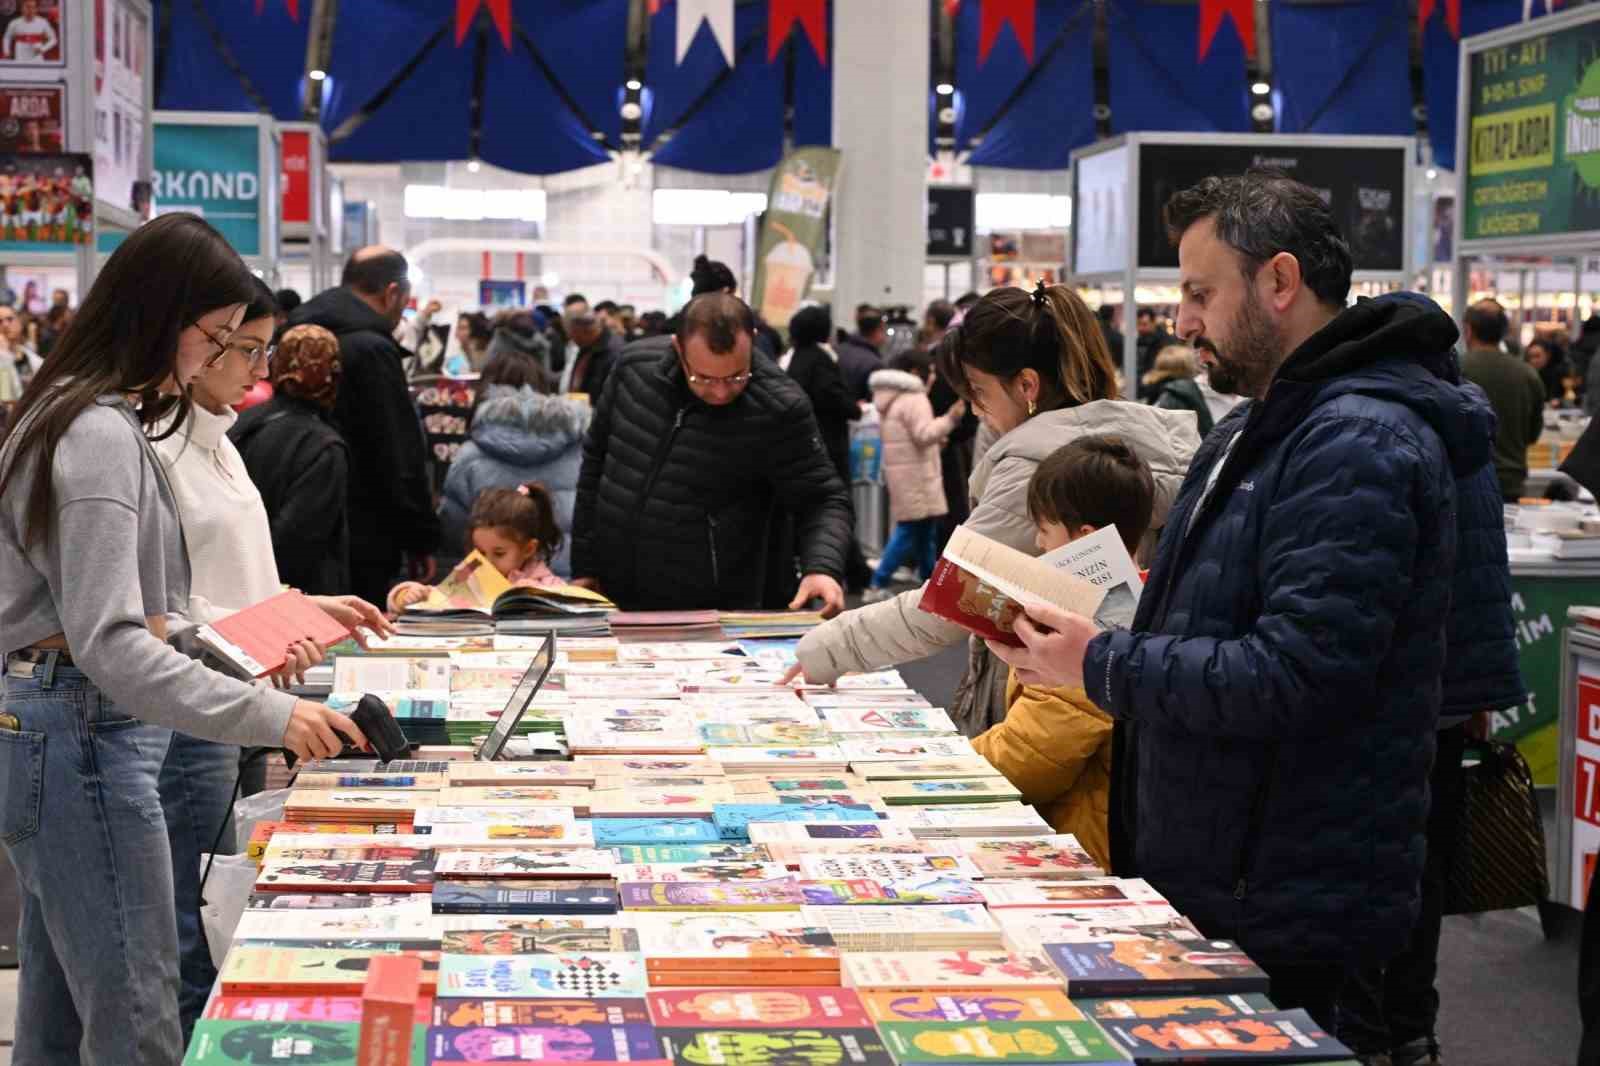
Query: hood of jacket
(1398, 348)
(886, 385)
(340, 311)
(526, 428)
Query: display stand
(1120, 186)
(1541, 593)
(305, 211)
(1578, 792)
(224, 166)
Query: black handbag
(1499, 861)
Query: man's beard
(1253, 350)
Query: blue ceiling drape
(1158, 81)
(1347, 66)
(1054, 112)
(269, 50)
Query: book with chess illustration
(983, 586)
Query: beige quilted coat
(912, 436)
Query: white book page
(1027, 580)
(1102, 560)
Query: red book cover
(744, 1008)
(955, 595)
(388, 1005)
(981, 585)
(300, 1009)
(256, 640)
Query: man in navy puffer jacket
(1283, 674)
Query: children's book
(296, 1009)
(1140, 1008)
(926, 769)
(374, 923)
(523, 862)
(1271, 1036)
(737, 940)
(354, 805)
(886, 868)
(1148, 967)
(475, 773)
(410, 874)
(702, 871)
(611, 832)
(806, 832)
(764, 734)
(1028, 930)
(927, 888)
(297, 901)
(630, 1043)
(652, 765)
(698, 1046)
(414, 782)
(303, 971)
(587, 976)
(490, 1013)
(1105, 892)
(1041, 1005)
(524, 897)
(692, 853)
(741, 1008)
(660, 801)
(733, 819)
(782, 894)
(948, 790)
(859, 753)
(520, 797)
(822, 758)
(997, 819)
(937, 971)
(537, 942)
(1054, 1042)
(225, 1043)
(792, 854)
(907, 927)
(872, 721)
(1054, 856)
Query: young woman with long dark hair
(92, 571)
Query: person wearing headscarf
(301, 464)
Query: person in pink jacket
(912, 437)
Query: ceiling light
(1261, 112)
(317, 75)
(1432, 173)
(1261, 88)
(944, 88)
(633, 85)
(474, 166)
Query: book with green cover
(916, 1043)
(224, 1043)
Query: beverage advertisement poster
(31, 33)
(793, 232)
(32, 118)
(46, 202)
(121, 46)
(214, 171)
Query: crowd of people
(1274, 741)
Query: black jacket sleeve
(825, 385)
(314, 503)
(810, 489)
(595, 444)
(386, 441)
(1482, 668)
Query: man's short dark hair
(1095, 481)
(869, 323)
(373, 273)
(1487, 321)
(719, 317)
(287, 299)
(1145, 312)
(966, 300)
(606, 306)
(574, 298)
(864, 309)
(940, 312)
(1264, 212)
(810, 325)
(1105, 313)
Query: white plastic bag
(262, 807)
(227, 892)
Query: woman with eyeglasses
(228, 541)
(94, 581)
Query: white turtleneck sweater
(225, 529)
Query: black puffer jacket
(1283, 676)
(681, 504)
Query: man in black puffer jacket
(693, 456)
(1283, 674)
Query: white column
(880, 123)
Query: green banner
(1539, 605)
(1532, 153)
(793, 232)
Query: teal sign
(214, 171)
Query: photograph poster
(31, 33)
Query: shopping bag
(227, 893)
(1499, 860)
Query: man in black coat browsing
(391, 495)
(691, 456)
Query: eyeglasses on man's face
(253, 352)
(707, 381)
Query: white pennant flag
(718, 14)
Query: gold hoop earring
(1033, 408)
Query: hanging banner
(1533, 136)
(214, 171)
(793, 231)
(296, 177)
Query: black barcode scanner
(377, 724)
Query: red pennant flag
(811, 14)
(499, 10)
(1244, 20)
(293, 7)
(993, 14)
(952, 8)
(1452, 15)
(655, 7)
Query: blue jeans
(916, 542)
(80, 817)
(197, 783)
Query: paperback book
(1176, 1007)
(926, 769)
(907, 928)
(822, 758)
(1144, 966)
(658, 802)
(537, 942)
(402, 875)
(806, 832)
(740, 1008)
(303, 971)
(697, 1046)
(1042, 1005)
(1037, 928)
(625, 1043)
(1055, 856)
(1107, 892)
(887, 868)
(983, 586)
(945, 791)
(611, 832)
(702, 871)
(586, 976)
(782, 894)
(692, 853)
(464, 1013)
(872, 721)
(524, 897)
(937, 971)
(1271, 1036)
(295, 1009)
(524, 862)
(733, 819)
(1053, 1042)
(737, 941)
(904, 749)
(929, 888)
(224, 1043)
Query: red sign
(30, 118)
(1586, 790)
(297, 176)
(1589, 708)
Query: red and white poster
(31, 118)
(31, 33)
(1586, 781)
(297, 177)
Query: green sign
(1539, 605)
(1532, 154)
(793, 232)
(214, 171)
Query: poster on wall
(952, 218)
(121, 43)
(793, 232)
(214, 171)
(32, 118)
(296, 149)
(499, 294)
(1364, 187)
(31, 33)
(1533, 136)
(1100, 236)
(46, 201)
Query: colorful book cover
(545, 1043)
(636, 801)
(733, 819)
(1272, 1036)
(949, 790)
(927, 769)
(928, 889)
(1176, 1007)
(609, 832)
(1085, 926)
(524, 862)
(905, 750)
(895, 927)
(743, 1008)
(655, 765)
(687, 853)
(800, 1046)
(1041, 1005)
(935, 971)
(353, 780)
(222, 1043)
(1155, 967)
(465, 1013)
(1028, 857)
(887, 867)
(585, 976)
(537, 942)
(1107, 892)
(702, 871)
(404, 875)
(877, 720)
(319, 971)
(531, 897)
(780, 785)
(296, 1009)
(749, 941)
(1054, 1042)
(795, 854)
(373, 923)
(782, 894)
(802, 832)
(298, 901)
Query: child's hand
(405, 594)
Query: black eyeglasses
(253, 352)
(731, 380)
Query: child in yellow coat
(1054, 745)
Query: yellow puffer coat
(1055, 747)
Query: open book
(983, 585)
(475, 589)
